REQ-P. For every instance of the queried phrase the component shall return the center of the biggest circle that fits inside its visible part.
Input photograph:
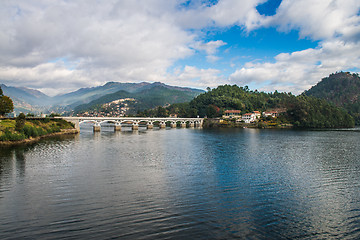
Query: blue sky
(60, 46)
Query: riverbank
(36, 139)
(220, 123)
(32, 129)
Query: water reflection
(183, 183)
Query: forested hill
(302, 111)
(157, 95)
(342, 89)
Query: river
(183, 184)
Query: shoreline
(33, 140)
(219, 123)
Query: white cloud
(234, 12)
(319, 20)
(55, 75)
(210, 49)
(111, 40)
(140, 40)
(195, 77)
(300, 70)
(335, 23)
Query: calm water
(183, 184)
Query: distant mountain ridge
(147, 97)
(31, 96)
(86, 95)
(342, 89)
(30, 100)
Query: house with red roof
(251, 117)
(232, 114)
(270, 114)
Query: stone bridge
(135, 122)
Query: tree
(20, 122)
(161, 112)
(6, 104)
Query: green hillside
(342, 89)
(157, 95)
(301, 111)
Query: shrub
(41, 131)
(10, 136)
(20, 122)
(30, 131)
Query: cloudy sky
(58, 46)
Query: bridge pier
(149, 125)
(76, 123)
(135, 126)
(117, 127)
(183, 124)
(96, 127)
(191, 124)
(162, 125)
(173, 124)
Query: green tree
(6, 104)
(161, 112)
(20, 122)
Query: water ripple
(183, 183)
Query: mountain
(342, 89)
(30, 100)
(31, 96)
(26, 99)
(86, 95)
(147, 96)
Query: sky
(58, 46)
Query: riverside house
(229, 114)
(248, 117)
(270, 114)
(251, 117)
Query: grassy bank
(33, 128)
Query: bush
(30, 131)
(10, 136)
(20, 122)
(41, 131)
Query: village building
(232, 114)
(248, 117)
(251, 117)
(270, 114)
(257, 114)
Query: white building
(248, 117)
(270, 114)
(251, 117)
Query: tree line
(302, 111)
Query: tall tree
(6, 104)
(20, 122)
